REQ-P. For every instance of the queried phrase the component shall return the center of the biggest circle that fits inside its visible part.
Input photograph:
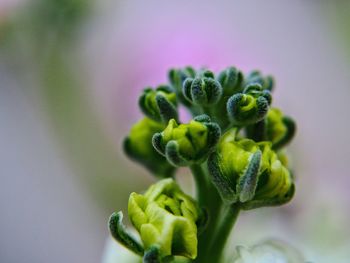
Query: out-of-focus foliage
(40, 41)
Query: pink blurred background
(67, 101)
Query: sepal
(152, 255)
(278, 201)
(247, 183)
(267, 95)
(223, 184)
(172, 154)
(122, 235)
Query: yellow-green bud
(183, 144)
(249, 172)
(159, 104)
(138, 146)
(235, 154)
(176, 79)
(166, 218)
(231, 81)
(280, 129)
(275, 180)
(248, 107)
(203, 90)
(191, 137)
(266, 82)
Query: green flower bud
(248, 107)
(275, 181)
(166, 219)
(267, 83)
(138, 146)
(159, 104)
(184, 144)
(280, 129)
(176, 79)
(276, 128)
(203, 90)
(231, 80)
(250, 173)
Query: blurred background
(71, 72)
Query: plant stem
(208, 110)
(223, 231)
(208, 198)
(202, 184)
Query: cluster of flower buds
(166, 219)
(235, 139)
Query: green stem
(231, 126)
(201, 182)
(208, 198)
(208, 110)
(223, 231)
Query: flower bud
(138, 146)
(166, 218)
(255, 77)
(276, 128)
(250, 173)
(231, 80)
(159, 104)
(248, 107)
(184, 144)
(203, 90)
(176, 79)
(275, 183)
(280, 129)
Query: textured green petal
(166, 218)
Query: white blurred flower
(270, 251)
(114, 252)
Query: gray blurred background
(71, 72)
